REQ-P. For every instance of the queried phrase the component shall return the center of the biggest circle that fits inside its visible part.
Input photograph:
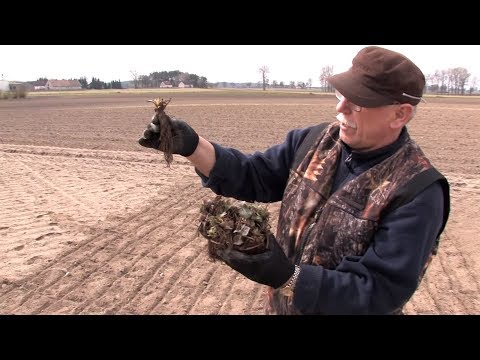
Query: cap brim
(351, 86)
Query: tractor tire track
(160, 218)
(47, 277)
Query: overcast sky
(230, 63)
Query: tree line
(451, 81)
(175, 77)
(96, 83)
(153, 80)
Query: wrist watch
(288, 288)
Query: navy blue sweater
(378, 282)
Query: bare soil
(92, 223)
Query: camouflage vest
(316, 227)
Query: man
(362, 210)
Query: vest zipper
(348, 163)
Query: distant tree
(42, 79)
(135, 78)
(83, 81)
(451, 81)
(174, 77)
(292, 84)
(327, 71)
(264, 71)
(190, 79)
(156, 79)
(115, 84)
(144, 81)
(281, 84)
(202, 82)
(460, 76)
(443, 76)
(274, 84)
(309, 83)
(473, 84)
(96, 84)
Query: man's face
(366, 129)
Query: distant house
(183, 85)
(63, 85)
(39, 85)
(166, 84)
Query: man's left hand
(271, 267)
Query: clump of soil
(243, 226)
(164, 122)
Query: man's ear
(403, 114)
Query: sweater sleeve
(254, 177)
(387, 275)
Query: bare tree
(264, 71)
(460, 76)
(473, 84)
(135, 78)
(156, 79)
(444, 82)
(144, 81)
(327, 71)
(451, 81)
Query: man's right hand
(185, 139)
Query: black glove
(271, 267)
(185, 139)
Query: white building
(183, 85)
(4, 85)
(166, 84)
